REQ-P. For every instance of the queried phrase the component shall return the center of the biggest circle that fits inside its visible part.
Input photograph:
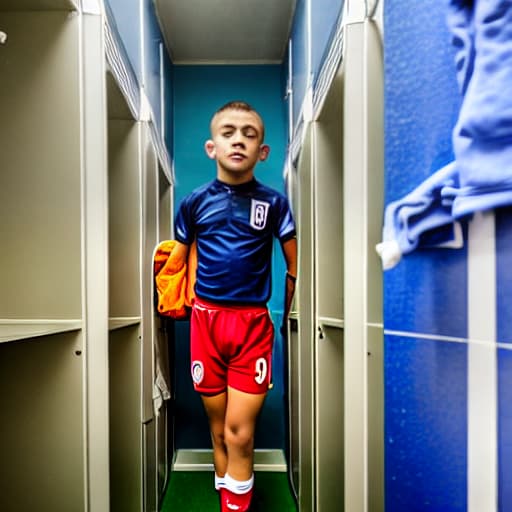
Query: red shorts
(230, 346)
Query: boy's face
(236, 143)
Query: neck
(234, 178)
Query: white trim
(226, 62)
(91, 6)
(202, 460)
(355, 196)
(94, 223)
(482, 371)
(355, 11)
(162, 90)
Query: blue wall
(198, 92)
(504, 332)
(324, 16)
(425, 317)
(127, 18)
(300, 52)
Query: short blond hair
(239, 105)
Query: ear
(264, 151)
(209, 147)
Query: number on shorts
(261, 370)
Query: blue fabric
(234, 226)
(423, 209)
(482, 137)
(480, 178)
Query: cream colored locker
(302, 336)
(363, 207)
(53, 279)
(124, 159)
(328, 286)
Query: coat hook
(3, 37)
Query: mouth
(237, 157)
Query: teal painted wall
(198, 91)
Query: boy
(234, 220)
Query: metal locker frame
(363, 207)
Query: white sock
(237, 486)
(219, 482)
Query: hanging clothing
(482, 136)
(480, 178)
(174, 280)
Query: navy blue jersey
(234, 226)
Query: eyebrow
(233, 127)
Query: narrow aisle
(192, 491)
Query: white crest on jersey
(197, 371)
(259, 213)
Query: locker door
(301, 321)
(329, 375)
(149, 240)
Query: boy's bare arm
(180, 253)
(290, 256)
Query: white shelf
(12, 330)
(120, 322)
(326, 321)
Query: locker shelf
(120, 322)
(326, 321)
(12, 330)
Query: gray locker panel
(306, 336)
(162, 450)
(293, 403)
(117, 105)
(41, 441)
(125, 424)
(150, 473)
(328, 171)
(329, 403)
(329, 268)
(149, 241)
(40, 182)
(124, 218)
(375, 419)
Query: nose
(238, 140)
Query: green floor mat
(192, 491)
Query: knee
(218, 438)
(238, 437)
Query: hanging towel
(482, 136)
(162, 383)
(408, 221)
(174, 280)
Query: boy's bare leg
(240, 423)
(215, 407)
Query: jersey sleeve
(183, 222)
(285, 224)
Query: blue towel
(480, 178)
(482, 136)
(409, 221)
